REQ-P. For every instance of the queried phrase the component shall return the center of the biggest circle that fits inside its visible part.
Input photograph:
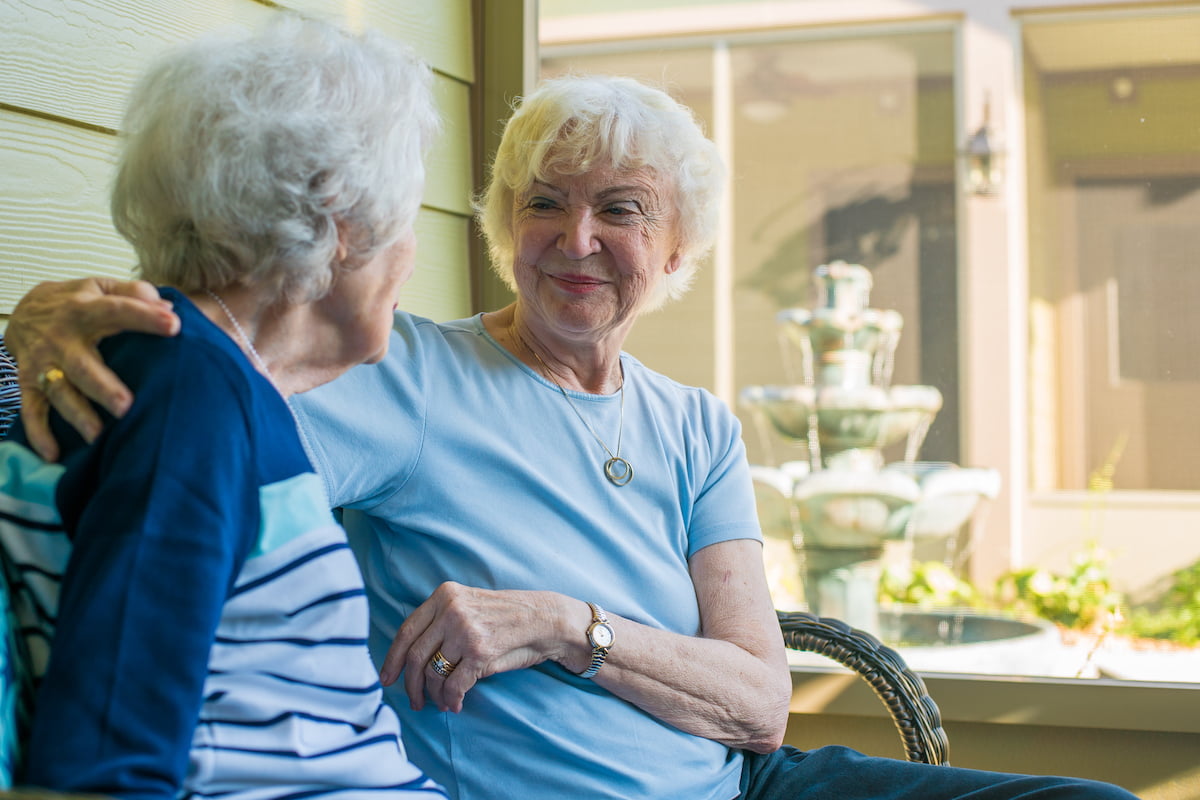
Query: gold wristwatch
(601, 635)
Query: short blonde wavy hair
(573, 124)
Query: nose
(579, 237)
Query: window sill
(1050, 702)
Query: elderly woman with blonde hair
(195, 618)
(560, 544)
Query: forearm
(729, 682)
(735, 693)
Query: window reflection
(839, 150)
(1115, 158)
(842, 139)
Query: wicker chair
(902, 691)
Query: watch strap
(599, 654)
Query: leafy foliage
(1081, 598)
(926, 584)
(1177, 615)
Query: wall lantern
(984, 159)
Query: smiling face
(590, 248)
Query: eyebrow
(634, 189)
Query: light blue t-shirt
(466, 465)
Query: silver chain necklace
(618, 471)
(300, 429)
(246, 339)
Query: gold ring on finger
(442, 665)
(48, 377)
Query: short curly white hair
(575, 123)
(243, 154)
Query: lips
(577, 282)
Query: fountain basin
(964, 640)
(822, 332)
(967, 641)
(844, 509)
(846, 418)
(949, 495)
(910, 627)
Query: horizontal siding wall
(67, 68)
(54, 220)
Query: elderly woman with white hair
(193, 613)
(560, 544)
(565, 539)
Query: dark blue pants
(838, 773)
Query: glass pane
(841, 142)
(1115, 173)
(840, 150)
(843, 151)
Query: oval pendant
(618, 471)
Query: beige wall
(1152, 765)
(1143, 737)
(64, 75)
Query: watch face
(602, 635)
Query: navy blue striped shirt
(196, 619)
(10, 392)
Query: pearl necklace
(618, 470)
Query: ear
(343, 245)
(674, 262)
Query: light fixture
(1122, 89)
(983, 158)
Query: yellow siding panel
(448, 185)
(441, 286)
(70, 64)
(54, 220)
(440, 30)
(77, 61)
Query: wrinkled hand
(59, 325)
(482, 631)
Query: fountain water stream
(843, 503)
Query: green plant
(928, 584)
(1177, 615)
(1083, 597)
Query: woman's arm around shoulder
(58, 325)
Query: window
(839, 150)
(1115, 257)
(846, 139)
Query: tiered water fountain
(842, 504)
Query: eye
(541, 204)
(622, 209)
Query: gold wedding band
(442, 665)
(48, 377)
